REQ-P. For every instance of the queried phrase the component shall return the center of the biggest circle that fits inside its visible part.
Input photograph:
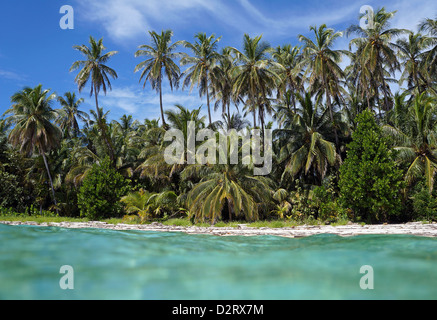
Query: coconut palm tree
(34, 131)
(415, 139)
(411, 54)
(375, 55)
(226, 191)
(291, 76)
(160, 63)
(95, 68)
(303, 146)
(322, 65)
(223, 82)
(430, 56)
(254, 76)
(155, 166)
(67, 119)
(202, 63)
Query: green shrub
(424, 204)
(11, 193)
(99, 196)
(370, 182)
(324, 201)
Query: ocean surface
(106, 264)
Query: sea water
(108, 264)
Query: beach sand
(411, 228)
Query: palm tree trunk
(160, 104)
(254, 118)
(229, 113)
(229, 209)
(328, 102)
(207, 98)
(50, 179)
(209, 108)
(103, 129)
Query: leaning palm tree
(415, 139)
(254, 77)
(201, 71)
(159, 64)
(322, 65)
(95, 68)
(67, 119)
(34, 131)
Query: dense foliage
(345, 146)
(101, 191)
(370, 182)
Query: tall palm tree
(415, 139)
(202, 63)
(160, 63)
(255, 79)
(67, 119)
(223, 82)
(291, 76)
(322, 64)
(430, 57)
(95, 68)
(411, 53)
(375, 53)
(303, 146)
(34, 131)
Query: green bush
(11, 193)
(424, 203)
(99, 196)
(325, 199)
(370, 182)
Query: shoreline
(410, 228)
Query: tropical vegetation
(354, 132)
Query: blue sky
(34, 49)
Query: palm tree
(291, 76)
(159, 63)
(430, 57)
(226, 190)
(67, 119)
(303, 147)
(254, 77)
(375, 54)
(223, 82)
(410, 52)
(148, 205)
(94, 68)
(32, 117)
(415, 139)
(154, 166)
(322, 63)
(202, 64)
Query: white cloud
(127, 19)
(124, 20)
(9, 75)
(144, 104)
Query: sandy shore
(412, 228)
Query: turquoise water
(165, 266)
